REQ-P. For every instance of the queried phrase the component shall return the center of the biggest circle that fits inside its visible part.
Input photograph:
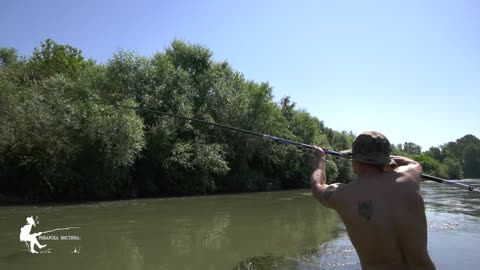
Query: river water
(272, 230)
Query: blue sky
(409, 69)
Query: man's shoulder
(408, 178)
(329, 195)
(339, 192)
(341, 188)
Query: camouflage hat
(370, 147)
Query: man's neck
(368, 173)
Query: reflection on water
(213, 232)
(275, 230)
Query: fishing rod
(286, 141)
(451, 183)
(431, 178)
(60, 229)
(258, 134)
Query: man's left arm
(320, 189)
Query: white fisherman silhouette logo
(30, 239)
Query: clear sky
(409, 69)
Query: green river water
(272, 230)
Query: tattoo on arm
(365, 209)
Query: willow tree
(56, 142)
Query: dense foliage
(453, 160)
(61, 138)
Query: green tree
(53, 58)
(180, 157)
(454, 168)
(432, 166)
(332, 171)
(435, 153)
(471, 161)
(129, 75)
(287, 107)
(55, 142)
(411, 148)
(8, 57)
(462, 143)
(62, 139)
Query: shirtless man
(383, 209)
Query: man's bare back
(383, 209)
(385, 219)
